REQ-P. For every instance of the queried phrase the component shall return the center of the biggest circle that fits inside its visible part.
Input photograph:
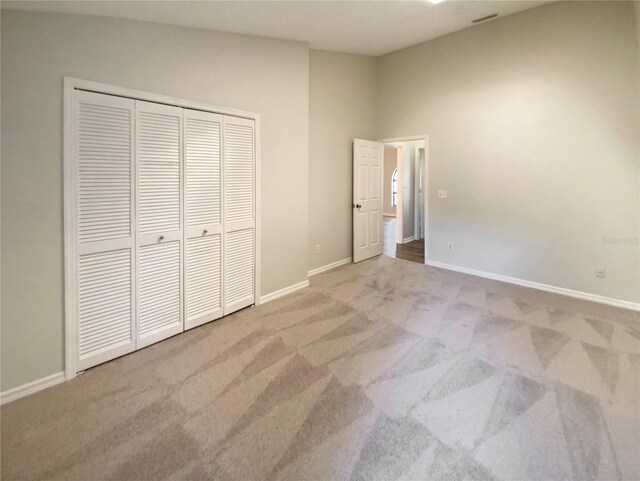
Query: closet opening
(161, 218)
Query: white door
(159, 240)
(239, 213)
(203, 217)
(367, 199)
(103, 227)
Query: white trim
(101, 88)
(416, 192)
(328, 267)
(400, 193)
(31, 387)
(610, 301)
(409, 239)
(69, 185)
(258, 209)
(283, 292)
(70, 85)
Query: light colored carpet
(384, 370)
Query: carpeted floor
(383, 370)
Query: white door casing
(367, 199)
(203, 217)
(418, 193)
(159, 241)
(401, 188)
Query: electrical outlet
(450, 246)
(442, 194)
(601, 272)
(317, 249)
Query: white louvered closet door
(103, 227)
(159, 241)
(239, 213)
(203, 217)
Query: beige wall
(341, 108)
(269, 77)
(390, 164)
(535, 132)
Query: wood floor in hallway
(411, 251)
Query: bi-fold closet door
(203, 214)
(159, 235)
(165, 221)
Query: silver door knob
(161, 237)
(205, 231)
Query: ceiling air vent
(483, 19)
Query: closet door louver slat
(103, 154)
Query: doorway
(405, 198)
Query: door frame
(399, 194)
(416, 195)
(70, 85)
(425, 182)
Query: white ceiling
(365, 27)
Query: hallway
(411, 251)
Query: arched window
(394, 188)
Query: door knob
(357, 206)
(205, 231)
(161, 237)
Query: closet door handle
(205, 231)
(161, 237)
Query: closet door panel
(159, 174)
(103, 157)
(159, 292)
(204, 279)
(239, 213)
(105, 328)
(239, 262)
(159, 158)
(203, 216)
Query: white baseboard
(328, 267)
(610, 301)
(283, 292)
(31, 387)
(408, 239)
